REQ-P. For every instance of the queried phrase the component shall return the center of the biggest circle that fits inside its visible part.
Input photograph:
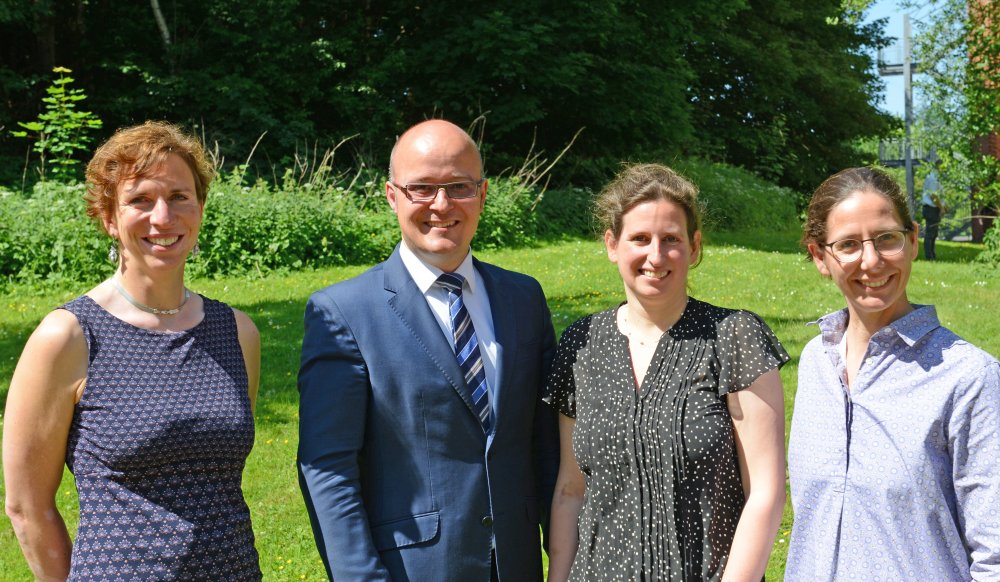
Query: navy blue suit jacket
(393, 463)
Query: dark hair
(841, 186)
(641, 183)
(133, 152)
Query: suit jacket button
(488, 521)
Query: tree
(959, 46)
(540, 70)
(778, 86)
(786, 88)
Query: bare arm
(759, 427)
(250, 344)
(566, 504)
(43, 392)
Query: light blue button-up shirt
(898, 478)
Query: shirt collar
(916, 324)
(910, 328)
(425, 275)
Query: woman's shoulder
(586, 324)
(59, 337)
(588, 331)
(722, 317)
(60, 325)
(736, 333)
(220, 309)
(245, 327)
(216, 308)
(959, 353)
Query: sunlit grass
(763, 273)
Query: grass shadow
(953, 252)
(779, 241)
(12, 340)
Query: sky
(893, 101)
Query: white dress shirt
(476, 301)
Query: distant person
(672, 415)
(933, 209)
(896, 431)
(142, 388)
(425, 451)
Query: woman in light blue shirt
(896, 432)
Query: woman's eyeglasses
(886, 244)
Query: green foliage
(733, 199)
(781, 87)
(259, 228)
(566, 213)
(784, 88)
(991, 252)
(61, 131)
(507, 220)
(315, 219)
(48, 237)
(959, 49)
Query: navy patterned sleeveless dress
(157, 445)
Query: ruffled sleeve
(747, 349)
(560, 389)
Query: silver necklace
(629, 331)
(146, 308)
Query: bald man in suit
(420, 460)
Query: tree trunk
(161, 22)
(46, 40)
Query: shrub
(249, 230)
(991, 241)
(564, 213)
(47, 236)
(507, 219)
(336, 220)
(734, 199)
(256, 229)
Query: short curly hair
(641, 183)
(133, 152)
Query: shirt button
(487, 521)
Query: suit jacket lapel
(503, 311)
(406, 300)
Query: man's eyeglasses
(426, 192)
(886, 244)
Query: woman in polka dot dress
(672, 415)
(142, 388)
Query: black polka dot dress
(157, 445)
(663, 486)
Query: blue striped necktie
(467, 347)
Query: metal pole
(908, 101)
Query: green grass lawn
(764, 273)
